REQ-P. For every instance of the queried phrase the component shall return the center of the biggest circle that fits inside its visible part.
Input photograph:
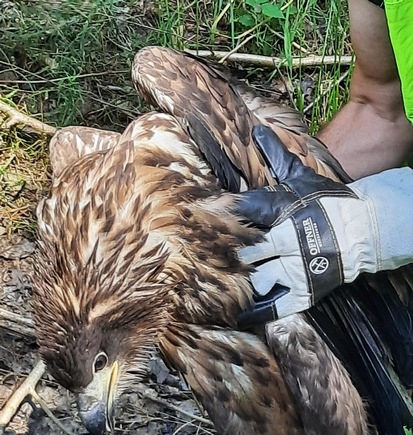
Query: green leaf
(267, 49)
(272, 10)
(292, 10)
(255, 3)
(246, 20)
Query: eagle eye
(100, 361)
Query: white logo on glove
(319, 265)
(312, 235)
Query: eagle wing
(290, 127)
(236, 378)
(219, 122)
(219, 116)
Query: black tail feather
(341, 321)
(391, 313)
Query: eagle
(138, 253)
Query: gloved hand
(321, 233)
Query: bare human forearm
(365, 142)
(371, 132)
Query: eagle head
(96, 347)
(101, 288)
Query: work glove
(320, 233)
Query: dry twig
(273, 62)
(234, 50)
(12, 405)
(16, 328)
(23, 326)
(17, 118)
(47, 411)
(176, 408)
(16, 323)
(26, 389)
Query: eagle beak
(96, 402)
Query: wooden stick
(47, 411)
(273, 62)
(234, 50)
(13, 403)
(176, 408)
(16, 328)
(27, 388)
(13, 317)
(16, 323)
(17, 118)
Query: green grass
(284, 29)
(68, 62)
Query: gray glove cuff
(390, 199)
(375, 233)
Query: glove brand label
(312, 236)
(319, 250)
(319, 265)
